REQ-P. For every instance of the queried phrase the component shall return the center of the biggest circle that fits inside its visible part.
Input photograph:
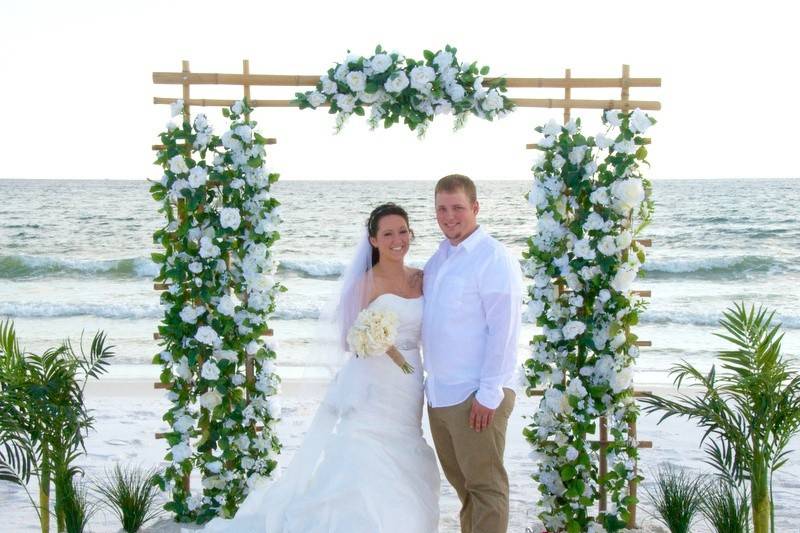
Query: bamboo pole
(603, 502)
(268, 140)
(636, 394)
(295, 80)
(547, 103)
(633, 485)
(567, 94)
(625, 93)
(246, 83)
(186, 87)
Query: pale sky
(77, 88)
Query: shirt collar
(467, 244)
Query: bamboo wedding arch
(246, 80)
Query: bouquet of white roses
(373, 334)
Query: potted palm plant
(750, 409)
(43, 417)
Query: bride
(364, 465)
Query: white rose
(183, 423)
(493, 101)
(571, 454)
(197, 176)
(341, 72)
(535, 308)
(624, 240)
(625, 147)
(207, 335)
(623, 279)
(214, 467)
(346, 102)
(328, 85)
(226, 306)
(176, 108)
(371, 98)
(189, 313)
(208, 248)
(210, 371)
(243, 442)
(180, 452)
(594, 221)
(171, 126)
(552, 128)
(238, 107)
(456, 92)
(623, 380)
(226, 355)
(477, 85)
(572, 329)
(607, 246)
(558, 162)
(245, 132)
(589, 168)
(443, 60)
(604, 295)
(380, 62)
(356, 80)
(612, 117)
(548, 141)
(628, 194)
(583, 249)
(238, 380)
(602, 141)
(182, 369)
(229, 217)
(210, 400)
(600, 196)
(177, 165)
(274, 407)
(576, 154)
(639, 121)
(443, 107)
(396, 82)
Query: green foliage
(677, 497)
(76, 506)
(43, 417)
(725, 508)
(750, 410)
(130, 493)
(413, 105)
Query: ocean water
(74, 256)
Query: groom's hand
(480, 417)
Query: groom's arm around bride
(473, 293)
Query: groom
(473, 294)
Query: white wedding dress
(364, 466)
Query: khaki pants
(473, 463)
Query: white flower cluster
(219, 268)
(583, 261)
(372, 333)
(419, 89)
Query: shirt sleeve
(500, 287)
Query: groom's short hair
(457, 182)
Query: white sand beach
(128, 412)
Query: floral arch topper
(397, 87)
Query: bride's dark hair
(377, 214)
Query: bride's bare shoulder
(415, 277)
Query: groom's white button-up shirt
(470, 328)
